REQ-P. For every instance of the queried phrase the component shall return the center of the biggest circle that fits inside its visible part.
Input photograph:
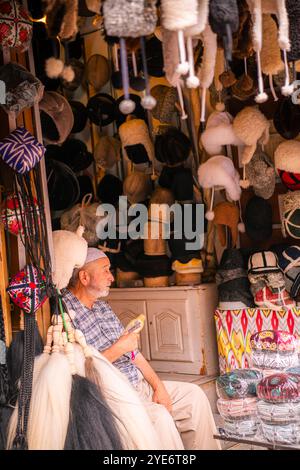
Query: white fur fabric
(220, 171)
(179, 15)
(255, 8)
(219, 68)
(135, 131)
(206, 71)
(70, 251)
(171, 56)
(287, 156)
(202, 18)
(270, 55)
(215, 138)
(218, 117)
(278, 8)
(132, 420)
(251, 127)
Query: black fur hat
(109, 189)
(172, 147)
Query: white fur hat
(219, 172)
(70, 251)
(251, 127)
(286, 156)
(219, 132)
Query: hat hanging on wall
(224, 21)
(110, 189)
(97, 71)
(166, 98)
(102, 109)
(287, 118)
(218, 133)
(291, 214)
(72, 81)
(75, 154)
(61, 18)
(136, 141)
(143, 21)
(172, 147)
(155, 61)
(56, 117)
(261, 174)
(107, 152)
(183, 186)
(85, 187)
(137, 187)
(139, 112)
(61, 176)
(227, 214)
(293, 11)
(258, 219)
(80, 116)
(15, 26)
(287, 163)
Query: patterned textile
(237, 409)
(240, 428)
(239, 383)
(270, 340)
(101, 329)
(283, 413)
(235, 327)
(129, 19)
(21, 151)
(11, 214)
(274, 360)
(27, 290)
(279, 388)
(288, 434)
(265, 298)
(15, 25)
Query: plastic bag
(279, 388)
(239, 383)
(241, 428)
(281, 434)
(278, 413)
(274, 360)
(237, 409)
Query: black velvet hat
(102, 109)
(63, 187)
(80, 116)
(172, 147)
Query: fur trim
(176, 17)
(271, 63)
(214, 138)
(206, 71)
(251, 127)
(286, 156)
(135, 131)
(68, 73)
(69, 26)
(202, 19)
(53, 67)
(220, 171)
(219, 69)
(278, 8)
(216, 118)
(256, 14)
(171, 56)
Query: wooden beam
(6, 309)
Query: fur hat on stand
(287, 163)
(224, 21)
(219, 171)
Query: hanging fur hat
(242, 41)
(137, 187)
(218, 133)
(261, 174)
(172, 147)
(271, 62)
(70, 251)
(56, 117)
(293, 10)
(136, 142)
(224, 20)
(251, 127)
(107, 152)
(61, 18)
(219, 171)
(97, 71)
(226, 214)
(287, 163)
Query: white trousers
(191, 425)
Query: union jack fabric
(27, 289)
(235, 327)
(21, 151)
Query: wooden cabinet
(179, 334)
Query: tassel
(127, 106)
(272, 88)
(244, 183)
(68, 73)
(210, 215)
(288, 88)
(262, 96)
(181, 102)
(183, 66)
(54, 67)
(148, 101)
(192, 81)
(241, 225)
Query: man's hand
(127, 342)
(162, 397)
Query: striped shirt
(101, 329)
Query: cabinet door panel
(127, 310)
(169, 329)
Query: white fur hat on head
(251, 127)
(219, 172)
(70, 251)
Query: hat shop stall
(193, 104)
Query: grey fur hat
(261, 175)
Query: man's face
(98, 277)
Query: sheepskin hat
(166, 98)
(136, 143)
(219, 171)
(107, 152)
(286, 118)
(70, 252)
(218, 133)
(172, 147)
(226, 214)
(97, 71)
(261, 174)
(56, 117)
(287, 163)
(271, 63)
(251, 127)
(137, 187)
(61, 18)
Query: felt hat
(287, 163)
(287, 118)
(61, 176)
(139, 112)
(251, 127)
(78, 68)
(97, 71)
(80, 116)
(291, 213)
(166, 98)
(101, 109)
(23, 89)
(137, 187)
(172, 147)
(261, 174)
(226, 214)
(136, 143)
(56, 117)
(15, 26)
(61, 18)
(107, 152)
(263, 262)
(76, 155)
(85, 187)
(258, 219)
(224, 21)
(109, 189)
(219, 171)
